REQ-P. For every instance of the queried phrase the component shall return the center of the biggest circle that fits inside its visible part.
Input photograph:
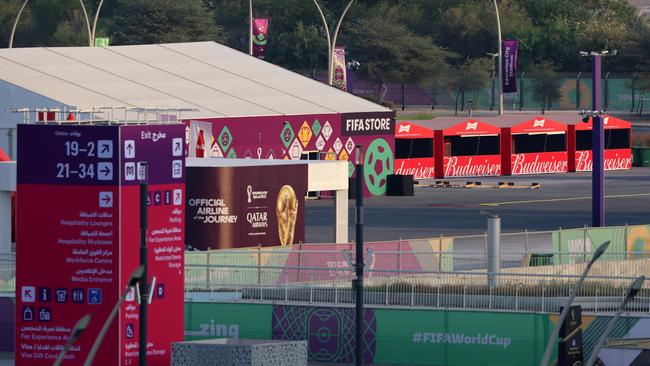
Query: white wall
(11, 97)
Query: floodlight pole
(565, 310)
(632, 291)
(357, 282)
(496, 9)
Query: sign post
(78, 239)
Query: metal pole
(83, 7)
(521, 90)
(13, 29)
(553, 337)
(578, 91)
(144, 291)
(99, 7)
(606, 106)
(329, 41)
(597, 143)
(357, 282)
(336, 33)
(496, 9)
(493, 84)
(250, 27)
(631, 292)
(494, 239)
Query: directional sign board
(78, 239)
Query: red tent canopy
(3, 156)
(539, 125)
(410, 130)
(471, 127)
(610, 123)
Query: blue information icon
(94, 296)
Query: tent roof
(213, 79)
(412, 130)
(610, 124)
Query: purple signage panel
(68, 155)
(509, 65)
(157, 145)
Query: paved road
(562, 201)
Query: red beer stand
(618, 153)
(535, 146)
(414, 150)
(466, 148)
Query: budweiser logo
(584, 161)
(538, 163)
(416, 169)
(471, 126)
(469, 167)
(404, 128)
(539, 123)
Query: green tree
(390, 52)
(162, 21)
(303, 48)
(471, 76)
(545, 86)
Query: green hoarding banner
(214, 320)
(420, 337)
(571, 245)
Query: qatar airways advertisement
(537, 163)
(615, 159)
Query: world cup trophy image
(287, 212)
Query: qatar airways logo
(470, 167)
(539, 163)
(615, 161)
(404, 128)
(538, 123)
(471, 126)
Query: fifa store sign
(363, 124)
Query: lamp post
(136, 277)
(91, 34)
(99, 7)
(565, 310)
(496, 9)
(331, 40)
(597, 140)
(75, 333)
(494, 56)
(632, 291)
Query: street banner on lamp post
(340, 79)
(260, 29)
(509, 64)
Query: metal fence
(461, 290)
(7, 274)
